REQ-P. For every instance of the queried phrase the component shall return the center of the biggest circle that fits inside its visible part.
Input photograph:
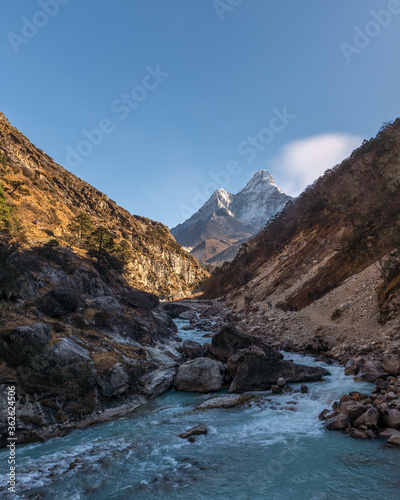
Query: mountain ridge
(236, 217)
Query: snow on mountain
(254, 205)
(260, 200)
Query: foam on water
(276, 449)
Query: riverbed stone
(198, 430)
(352, 409)
(394, 440)
(392, 419)
(370, 418)
(252, 370)
(230, 339)
(337, 423)
(391, 363)
(199, 375)
(192, 349)
(371, 370)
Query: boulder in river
(338, 422)
(199, 375)
(252, 370)
(194, 431)
(230, 339)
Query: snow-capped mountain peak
(252, 206)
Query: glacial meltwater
(276, 449)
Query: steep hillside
(232, 218)
(48, 199)
(347, 220)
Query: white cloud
(299, 163)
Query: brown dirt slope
(347, 220)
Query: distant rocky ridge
(231, 219)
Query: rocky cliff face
(52, 196)
(231, 219)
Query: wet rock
(192, 349)
(324, 414)
(304, 389)
(199, 375)
(337, 423)
(230, 339)
(194, 431)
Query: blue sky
(178, 97)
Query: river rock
(392, 419)
(230, 339)
(387, 433)
(190, 315)
(230, 401)
(281, 382)
(357, 434)
(353, 366)
(199, 375)
(194, 431)
(394, 440)
(372, 370)
(370, 418)
(337, 423)
(192, 349)
(391, 363)
(352, 409)
(252, 370)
